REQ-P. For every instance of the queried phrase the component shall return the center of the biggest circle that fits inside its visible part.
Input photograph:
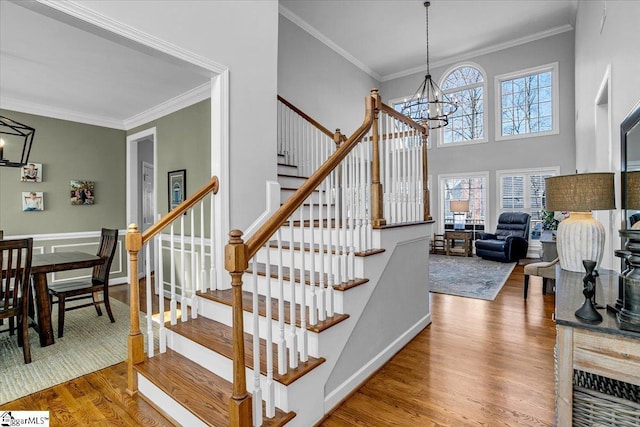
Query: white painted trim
(132, 175)
(335, 396)
(56, 113)
(325, 40)
(485, 116)
(487, 213)
(273, 203)
(555, 100)
(220, 168)
(62, 236)
(480, 52)
(172, 105)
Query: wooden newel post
(135, 341)
(236, 261)
(425, 172)
(377, 212)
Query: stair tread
(262, 271)
(217, 337)
(225, 297)
(187, 383)
(307, 248)
(292, 176)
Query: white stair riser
(319, 260)
(217, 311)
(285, 397)
(169, 406)
(286, 169)
(291, 181)
(285, 193)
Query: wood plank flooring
(479, 363)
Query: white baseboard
(334, 398)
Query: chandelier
(429, 104)
(18, 132)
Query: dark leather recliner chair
(510, 241)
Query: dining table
(41, 265)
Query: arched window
(467, 85)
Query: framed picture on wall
(82, 192)
(177, 187)
(32, 201)
(31, 172)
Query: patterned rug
(470, 277)
(90, 343)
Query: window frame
(462, 175)
(555, 101)
(485, 116)
(548, 170)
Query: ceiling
(55, 68)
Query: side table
(450, 236)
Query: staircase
(321, 296)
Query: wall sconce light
(18, 131)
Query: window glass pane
(466, 86)
(526, 104)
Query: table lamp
(459, 209)
(633, 196)
(580, 237)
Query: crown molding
(92, 21)
(325, 40)
(484, 51)
(184, 100)
(62, 114)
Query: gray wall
(183, 141)
(319, 81)
(67, 151)
(533, 152)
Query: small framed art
(177, 187)
(31, 173)
(82, 192)
(32, 201)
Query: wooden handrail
(306, 117)
(134, 241)
(404, 119)
(267, 230)
(210, 187)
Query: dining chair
(91, 288)
(15, 286)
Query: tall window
(465, 84)
(523, 191)
(527, 102)
(464, 187)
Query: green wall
(67, 151)
(183, 141)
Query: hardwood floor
(479, 363)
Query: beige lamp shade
(581, 192)
(633, 190)
(459, 206)
(580, 237)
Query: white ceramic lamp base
(580, 237)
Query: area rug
(470, 277)
(90, 343)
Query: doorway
(141, 184)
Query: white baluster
(303, 292)
(160, 284)
(282, 344)
(194, 271)
(183, 288)
(203, 274)
(213, 274)
(270, 387)
(313, 304)
(257, 391)
(293, 337)
(148, 283)
(173, 304)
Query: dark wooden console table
(594, 353)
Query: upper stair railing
(302, 141)
(376, 177)
(186, 233)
